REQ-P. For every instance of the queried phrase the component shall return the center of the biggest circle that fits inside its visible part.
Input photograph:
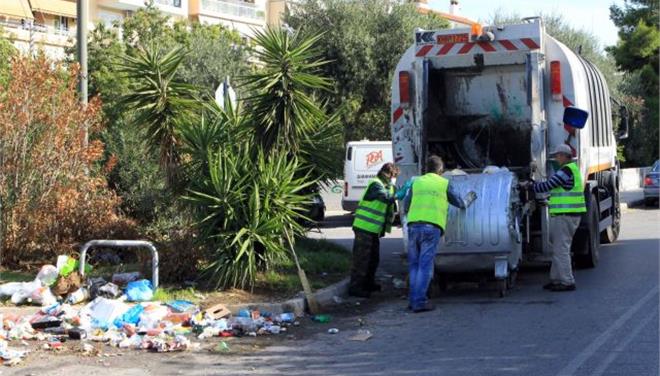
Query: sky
(590, 15)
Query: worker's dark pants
(366, 255)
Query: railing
(38, 28)
(234, 8)
(171, 3)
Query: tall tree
(364, 40)
(637, 53)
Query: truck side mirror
(575, 117)
(624, 123)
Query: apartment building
(51, 24)
(46, 24)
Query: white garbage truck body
(499, 100)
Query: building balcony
(170, 7)
(233, 10)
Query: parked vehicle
(317, 208)
(492, 103)
(652, 185)
(363, 160)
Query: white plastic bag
(24, 292)
(47, 275)
(9, 289)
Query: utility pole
(81, 31)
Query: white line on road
(597, 343)
(612, 356)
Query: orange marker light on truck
(404, 87)
(555, 80)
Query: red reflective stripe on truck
(466, 48)
(566, 101)
(445, 48)
(508, 45)
(424, 50)
(486, 46)
(530, 43)
(397, 114)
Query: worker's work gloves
(469, 198)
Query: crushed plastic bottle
(322, 318)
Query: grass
(16, 276)
(166, 294)
(324, 263)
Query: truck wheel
(590, 259)
(611, 233)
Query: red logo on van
(374, 158)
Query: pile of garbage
(120, 317)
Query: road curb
(325, 298)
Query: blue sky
(589, 15)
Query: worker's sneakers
(425, 308)
(549, 286)
(561, 287)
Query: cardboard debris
(218, 312)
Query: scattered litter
(222, 347)
(109, 319)
(333, 331)
(217, 312)
(362, 335)
(322, 318)
(181, 306)
(139, 291)
(110, 290)
(122, 279)
(399, 283)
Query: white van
(363, 160)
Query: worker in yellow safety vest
(567, 204)
(426, 204)
(373, 219)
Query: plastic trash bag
(24, 292)
(139, 291)
(9, 289)
(182, 306)
(132, 316)
(47, 275)
(103, 312)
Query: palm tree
(160, 102)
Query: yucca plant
(245, 205)
(159, 101)
(283, 110)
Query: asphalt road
(609, 326)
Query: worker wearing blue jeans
(426, 203)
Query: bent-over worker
(373, 219)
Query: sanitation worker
(567, 204)
(373, 219)
(426, 203)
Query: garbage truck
(491, 101)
